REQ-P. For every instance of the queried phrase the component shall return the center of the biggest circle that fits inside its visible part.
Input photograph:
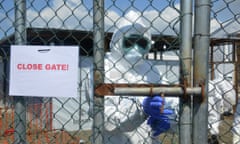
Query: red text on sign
(54, 67)
(62, 67)
(29, 66)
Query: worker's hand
(158, 126)
(157, 116)
(153, 106)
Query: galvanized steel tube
(201, 66)
(98, 45)
(167, 91)
(185, 70)
(19, 101)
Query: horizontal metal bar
(167, 91)
(147, 90)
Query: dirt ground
(57, 137)
(225, 136)
(62, 137)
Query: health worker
(131, 119)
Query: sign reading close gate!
(44, 71)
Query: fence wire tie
(184, 88)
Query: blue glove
(158, 126)
(152, 107)
(158, 120)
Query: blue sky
(160, 15)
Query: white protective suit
(226, 89)
(221, 98)
(214, 108)
(124, 119)
(236, 125)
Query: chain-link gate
(173, 36)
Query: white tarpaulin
(45, 71)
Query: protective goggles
(132, 40)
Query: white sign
(44, 71)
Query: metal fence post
(185, 70)
(98, 45)
(19, 102)
(200, 75)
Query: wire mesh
(70, 120)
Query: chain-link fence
(112, 35)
